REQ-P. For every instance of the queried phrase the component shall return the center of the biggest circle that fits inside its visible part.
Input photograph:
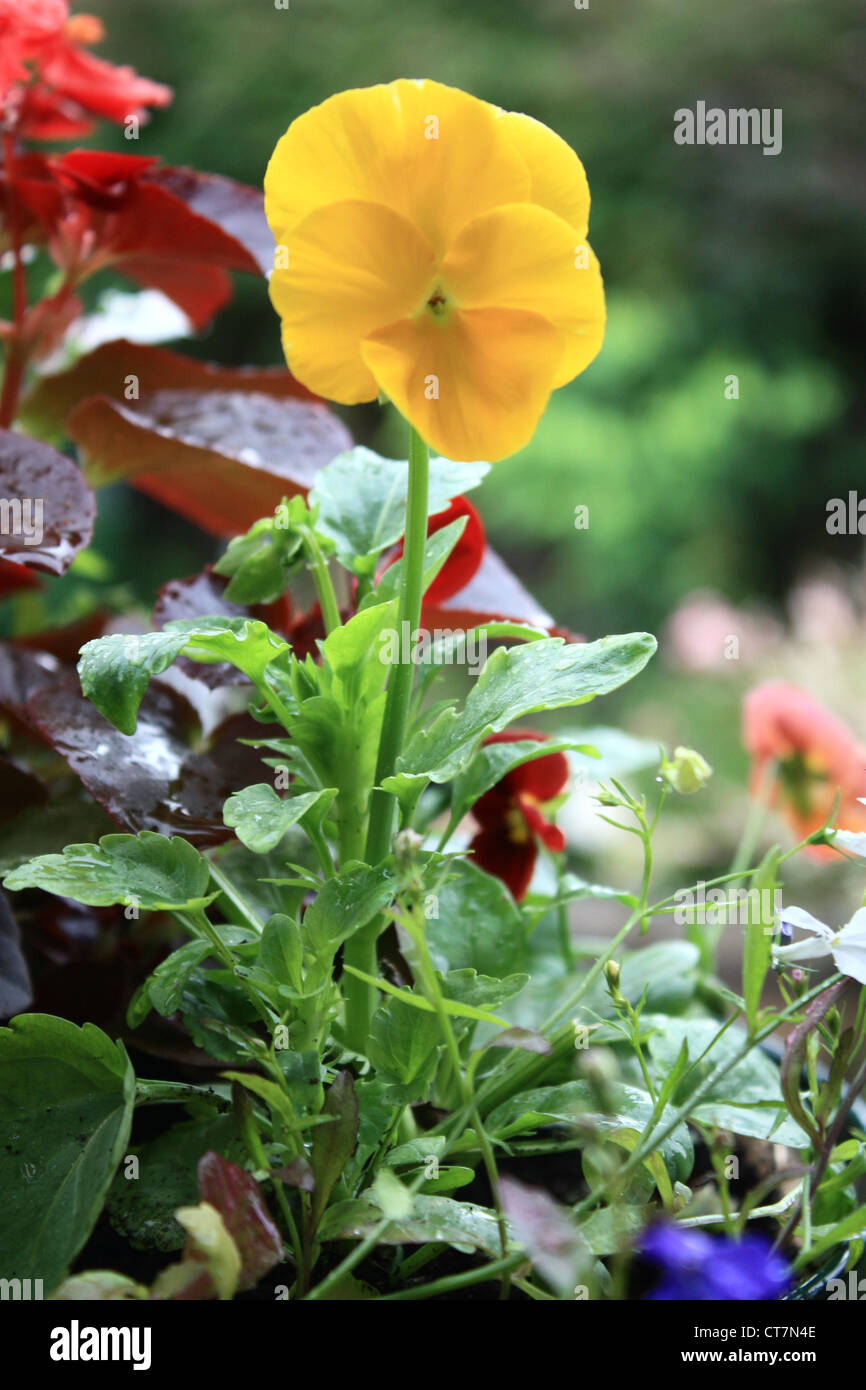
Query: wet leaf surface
(221, 458)
(49, 508)
(157, 778)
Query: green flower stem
(322, 580)
(382, 804)
(360, 950)
(497, 1270)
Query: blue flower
(701, 1267)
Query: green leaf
(575, 1103)
(747, 1099)
(517, 681)
(611, 1230)
(440, 1220)
(334, 1144)
(437, 548)
(452, 1007)
(850, 1227)
(281, 951)
(482, 991)
(667, 972)
(115, 671)
(403, 1046)
(491, 763)
(260, 817)
(164, 989)
(142, 1208)
(758, 945)
(479, 926)
(345, 904)
(147, 870)
(260, 563)
(66, 1101)
(361, 500)
(273, 1095)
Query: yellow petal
(352, 267)
(430, 152)
(474, 384)
(524, 257)
(558, 178)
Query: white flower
(847, 945)
(850, 841)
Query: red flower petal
(505, 859)
(549, 834)
(464, 560)
(98, 86)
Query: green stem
(234, 896)
(450, 1282)
(360, 950)
(383, 804)
(322, 579)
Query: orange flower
(810, 754)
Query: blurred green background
(717, 261)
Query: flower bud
(611, 974)
(687, 772)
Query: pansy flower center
(438, 302)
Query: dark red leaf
(44, 496)
(108, 370)
(239, 1201)
(15, 989)
(298, 1173)
(14, 577)
(18, 790)
(21, 674)
(493, 594)
(66, 642)
(221, 458)
(234, 207)
(154, 779)
(334, 1144)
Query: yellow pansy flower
(433, 247)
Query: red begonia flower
(50, 85)
(510, 819)
(99, 210)
(816, 757)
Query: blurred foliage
(717, 260)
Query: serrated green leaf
(260, 817)
(115, 671)
(543, 675)
(147, 870)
